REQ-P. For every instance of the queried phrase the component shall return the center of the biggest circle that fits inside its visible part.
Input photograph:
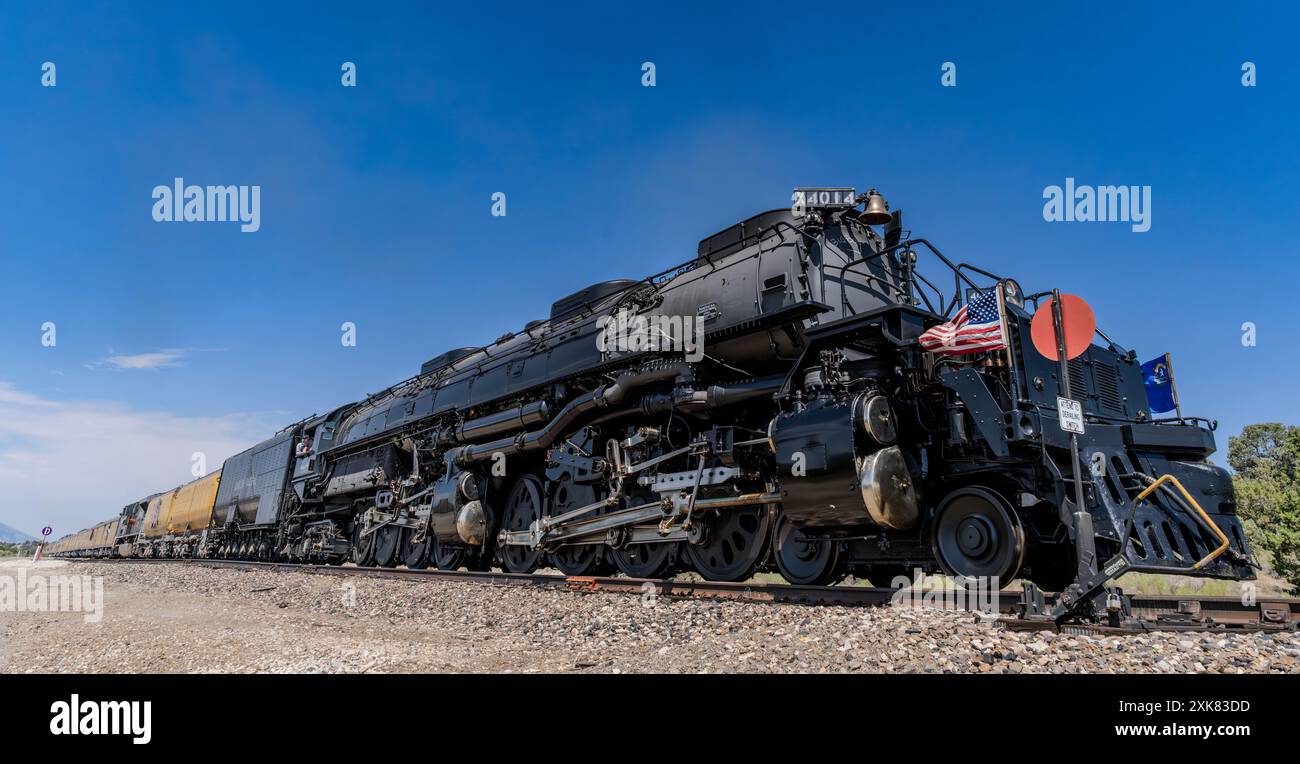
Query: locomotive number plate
(824, 197)
(1071, 414)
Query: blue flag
(1158, 377)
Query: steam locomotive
(765, 406)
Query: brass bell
(877, 211)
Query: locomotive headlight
(876, 418)
(1012, 293)
(469, 487)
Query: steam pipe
(509, 420)
(577, 409)
(717, 396)
(613, 394)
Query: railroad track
(1151, 612)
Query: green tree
(1266, 459)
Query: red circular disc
(1080, 324)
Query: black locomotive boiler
(773, 410)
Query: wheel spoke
(415, 556)
(446, 557)
(977, 535)
(363, 547)
(387, 541)
(735, 543)
(645, 560)
(523, 506)
(802, 560)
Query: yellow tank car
(81, 541)
(101, 537)
(110, 538)
(191, 510)
(155, 518)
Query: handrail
(1169, 478)
(910, 275)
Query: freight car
(769, 404)
(176, 523)
(95, 541)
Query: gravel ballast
(189, 618)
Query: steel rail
(1150, 612)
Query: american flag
(977, 327)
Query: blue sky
(375, 201)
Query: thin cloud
(70, 464)
(157, 359)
